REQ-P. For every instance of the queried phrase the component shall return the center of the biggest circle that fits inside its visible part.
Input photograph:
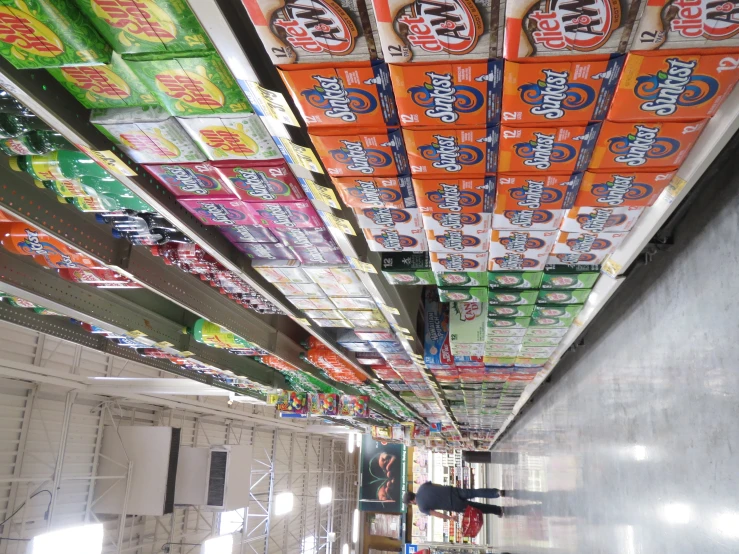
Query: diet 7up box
(146, 26)
(508, 322)
(513, 297)
(563, 312)
(470, 294)
(576, 296)
(191, 86)
(580, 276)
(48, 33)
(514, 279)
(467, 323)
(510, 311)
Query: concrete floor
(630, 449)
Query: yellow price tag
(109, 161)
(136, 334)
(324, 194)
(392, 310)
(186, 354)
(362, 266)
(163, 344)
(408, 337)
(338, 223)
(302, 156)
(401, 329)
(302, 321)
(273, 104)
(675, 187)
(611, 268)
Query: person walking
(433, 499)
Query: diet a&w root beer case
(652, 145)
(435, 31)
(545, 28)
(673, 85)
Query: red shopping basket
(471, 522)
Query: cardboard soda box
(565, 92)
(533, 202)
(575, 296)
(617, 189)
(686, 24)
(659, 86)
(575, 277)
(591, 248)
(266, 251)
(472, 294)
(147, 135)
(518, 250)
(111, 85)
(541, 341)
(284, 215)
(565, 312)
(460, 262)
(419, 31)
(321, 31)
(515, 332)
(459, 278)
(410, 277)
(392, 240)
(248, 233)
(146, 26)
(539, 28)
(403, 220)
(191, 86)
(328, 96)
(599, 219)
(219, 211)
(452, 152)
(493, 340)
(457, 196)
(437, 353)
(376, 192)
(510, 311)
(654, 145)
(515, 279)
(412, 268)
(191, 180)
(448, 94)
(438, 222)
(260, 181)
(513, 297)
(45, 33)
(546, 149)
(508, 322)
(364, 153)
(458, 240)
(545, 333)
(527, 220)
(467, 323)
(232, 138)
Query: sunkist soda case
(472, 239)
(584, 248)
(539, 28)
(376, 192)
(455, 196)
(649, 145)
(533, 202)
(601, 219)
(421, 31)
(448, 94)
(466, 152)
(619, 189)
(328, 96)
(520, 249)
(673, 85)
(377, 152)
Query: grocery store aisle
(634, 444)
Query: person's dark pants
(467, 494)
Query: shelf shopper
(434, 499)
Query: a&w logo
(452, 26)
(255, 183)
(316, 26)
(675, 87)
(581, 25)
(597, 220)
(714, 20)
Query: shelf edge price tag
(323, 194)
(301, 320)
(186, 353)
(135, 334)
(394, 311)
(338, 223)
(271, 103)
(362, 266)
(677, 184)
(610, 267)
(300, 155)
(108, 160)
(164, 344)
(401, 329)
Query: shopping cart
(471, 522)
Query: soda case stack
(319, 355)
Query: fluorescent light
(345, 549)
(325, 494)
(727, 524)
(230, 522)
(640, 452)
(309, 545)
(676, 513)
(219, 545)
(358, 438)
(284, 503)
(86, 539)
(355, 526)
(350, 443)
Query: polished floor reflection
(634, 446)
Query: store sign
(383, 475)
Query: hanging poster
(383, 474)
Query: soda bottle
(65, 188)
(96, 277)
(9, 105)
(150, 239)
(20, 302)
(111, 187)
(216, 336)
(189, 257)
(34, 142)
(12, 126)
(26, 240)
(62, 164)
(102, 203)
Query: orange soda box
(368, 153)
(533, 202)
(459, 152)
(618, 189)
(653, 146)
(582, 248)
(538, 28)
(564, 149)
(438, 222)
(687, 24)
(328, 96)
(434, 31)
(601, 219)
(520, 250)
(470, 239)
(455, 196)
(458, 262)
(448, 94)
(566, 91)
(376, 192)
(392, 240)
(315, 31)
(657, 86)
(402, 219)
